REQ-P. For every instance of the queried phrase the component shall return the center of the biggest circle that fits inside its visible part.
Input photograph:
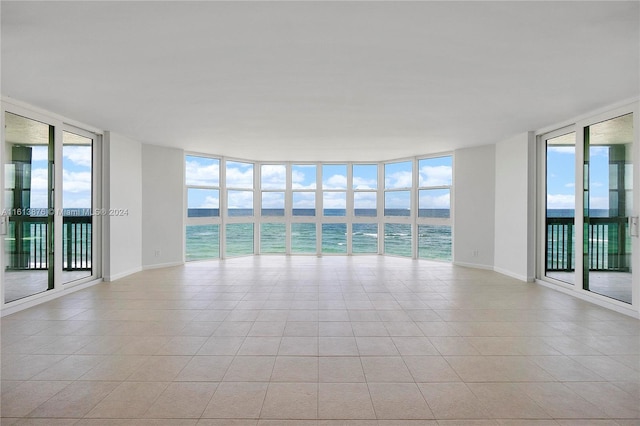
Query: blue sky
(561, 177)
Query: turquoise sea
(202, 241)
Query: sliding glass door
(608, 207)
(51, 220)
(587, 237)
(28, 206)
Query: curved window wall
(238, 208)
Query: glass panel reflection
(28, 193)
(608, 157)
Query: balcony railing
(607, 243)
(27, 250)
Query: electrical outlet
(475, 253)
(156, 253)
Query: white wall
(162, 206)
(123, 190)
(515, 212)
(474, 206)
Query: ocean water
(202, 241)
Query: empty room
(320, 213)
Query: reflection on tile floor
(23, 283)
(613, 284)
(319, 341)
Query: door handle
(4, 219)
(633, 226)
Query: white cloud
(399, 180)
(334, 200)
(198, 174)
(362, 183)
(570, 185)
(80, 155)
(239, 177)
(365, 200)
(561, 201)
(598, 151)
(240, 199)
(598, 202)
(435, 176)
(39, 180)
(39, 200)
(298, 178)
(210, 202)
(304, 200)
(40, 153)
(273, 200)
(441, 201)
(273, 176)
(76, 182)
(76, 203)
(397, 200)
(562, 149)
(335, 182)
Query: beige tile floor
(325, 341)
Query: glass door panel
(608, 204)
(77, 204)
(28, 201)
(560, 253)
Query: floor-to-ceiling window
(435, 180)
(202, 232)
(237, 207)
(334, 209)
(239, 212)
(273, 226)
(365, 226)
(398, 184)
(303, 234)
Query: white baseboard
(514, 275)
(162, 265)
(474, 265)
(109, 278)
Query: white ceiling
(320, 80)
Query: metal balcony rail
(608, 247)
(27, 243)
